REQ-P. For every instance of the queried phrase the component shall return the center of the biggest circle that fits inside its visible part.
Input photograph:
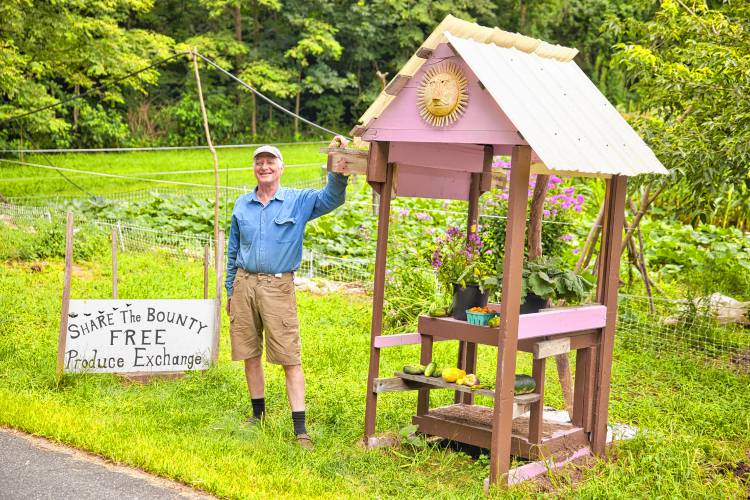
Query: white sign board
(138, 335)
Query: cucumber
(414, 369)
(524, 384)
(430, 369)
(438, 312)
(438, 372)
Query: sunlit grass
(19, 181)
(693, 418)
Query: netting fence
(699, 330)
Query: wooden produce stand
(467, 94)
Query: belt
(275, 275)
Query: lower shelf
(472, 424)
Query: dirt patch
(740, 470)
(741, 360)
(570, 474)
(8, 221)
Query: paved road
(33, 468)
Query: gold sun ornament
(442, 95)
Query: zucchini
(430, 369)
(414, 369)
(524, 384)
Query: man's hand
(338, 142)
(229, 301)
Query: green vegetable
(438, 372)
(438, 312)
(524, 384)
(430, 369)
(414, 369)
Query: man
(265, 248)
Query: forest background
(678, 70)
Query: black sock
(298, 419)
(259, 407)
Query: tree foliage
(690, 68)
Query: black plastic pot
(533, 304)
(465, 298)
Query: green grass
(694, 418)
(18, 181)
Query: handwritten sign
(140, 335)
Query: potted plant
(544, 279)
(462, 264)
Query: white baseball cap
(272, 150)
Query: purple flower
(578, 208)
(546, 213)
(422, 216)
(566, 237)
(580, 198)
(576, 251)
(403, 212)
(391, 312)
(453, 231)
(569, 191)
(553, 179)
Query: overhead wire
(93, 89)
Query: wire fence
(711, 331)
(149, 193)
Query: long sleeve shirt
(268, 239)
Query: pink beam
(566, 320)
(400, 339)
(534, 469)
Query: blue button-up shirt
(268, 239)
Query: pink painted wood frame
(482, 123)
(535, 325)
(559, 321)
(423, 182)
(401, 339)
(534, 469)
(461, 157)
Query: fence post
(122, 240)
(114, 262)
(206, 259)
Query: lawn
(695, 420)
(303, 163)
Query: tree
(60, 49)
(690, 69)
(315, 45)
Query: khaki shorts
(264, 305)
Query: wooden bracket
(549, 348)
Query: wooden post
(509, 311)
(207, 132)
(536, 417)
(65, 296)
(606, 294)
(114, 262)
(584, 388)
(217, 308)
(423, 400)
(206, 258)
(467, 351)
(378, 161)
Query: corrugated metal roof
(465, 30)
(566, 120)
